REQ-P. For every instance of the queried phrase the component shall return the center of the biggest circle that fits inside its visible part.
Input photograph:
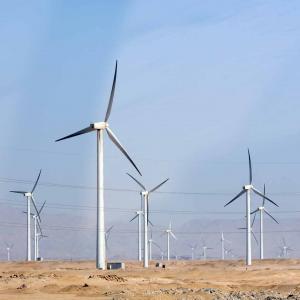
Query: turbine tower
(100, 127)
(138, 215)
(8, 248)
(169, 233)
(261, 209)
(145, 195)
(30, 199)
(247, 189)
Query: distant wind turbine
(138, 215)
(193, 247)
(223, 240)
(247, 189)
(30, 199)
(261, 209)
(145, 194)
(100, 127)
(169, 233)
(150, 242)
(8, 248)
(285, 249)
(204, 249)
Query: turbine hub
(248, 187)
(144, 193)
(99, 125)
(28, 194)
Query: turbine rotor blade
(33, 202)
(112, 93)
(150, 224)
(255, 211)
(154, 243)
(254, 237)
(250, 167)
(36, 182)
(39, 226)
(253, 221)
(41, 209)
(18, 192)
(134, 218)
(139, 183)
(83, 131)
(264, 200)
(158, 186)
(237, 196)
(265, 197)
(118, 144)
(271, 216)
(173, 235)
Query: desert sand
(268, 279)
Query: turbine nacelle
(145, 193)
(99, 125)
(28, 194)
(248, 187)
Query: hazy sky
(198, 83)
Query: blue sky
(198, 83)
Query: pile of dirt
(109, 277)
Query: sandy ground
(269, 279)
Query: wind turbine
(285, 249)
(223, 245)
(40, 236)
(150, 242)
(145, 195)
(8, 248)
(100, 127)
(138, 215)
(169, 233)
(30, 198)
(204, 249)
(193, 247)
(261, 209)
(247, 189)
(37, 226)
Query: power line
(154, 211)
(126, 231)
(85, 187)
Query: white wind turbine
(30, 198)
(40, 236)
(37, 226)
(285, 249)
(169, 233)
(193, 247)
(138, 215)
(247, 189)
(150, 242)
(223, 248)
(8, 248)
(145, 194)
(204, 249)
(261, 209)
(100, 127)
